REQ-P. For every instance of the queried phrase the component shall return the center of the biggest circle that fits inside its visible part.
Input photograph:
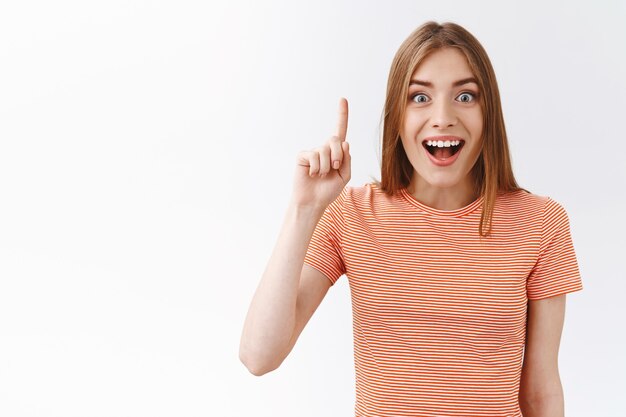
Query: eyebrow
(454, 84)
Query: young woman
(457, 275)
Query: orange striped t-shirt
(439, 314)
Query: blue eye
(468, 93)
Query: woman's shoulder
(526, 203)
(366, 191)
(369, 197)
(523, 195)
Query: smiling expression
(442, 101)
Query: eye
(468, 93)
(417, 95)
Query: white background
(146, 158)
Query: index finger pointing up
(342, 124)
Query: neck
(448, 198)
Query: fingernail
(336, 164)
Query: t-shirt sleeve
(325, 248)
(556, 271)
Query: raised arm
(288, 294)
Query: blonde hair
(492, 174)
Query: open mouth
(443, 152)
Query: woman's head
(486, 166)
(443, 106)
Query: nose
(443, 115)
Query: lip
(448, 161)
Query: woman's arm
(541, 393)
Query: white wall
(146, 157)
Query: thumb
(345, 169)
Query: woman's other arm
(541, 392)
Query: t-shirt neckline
(430, 210)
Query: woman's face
(442, 108)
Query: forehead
(443, 67)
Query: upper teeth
(442, 143)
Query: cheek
(414, 117)
(475, 124)
(412, 124)
(479, 120)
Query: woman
(451, 317)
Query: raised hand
(323, 172)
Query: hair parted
(492, 174)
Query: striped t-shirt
(439, 312)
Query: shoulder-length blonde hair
(492, 174)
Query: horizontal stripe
(440, 312)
